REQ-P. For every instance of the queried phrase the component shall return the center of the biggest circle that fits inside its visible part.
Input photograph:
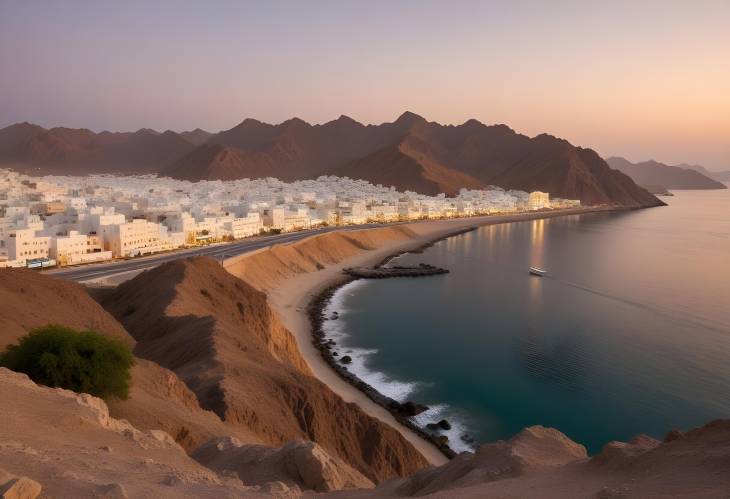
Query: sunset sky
(647, 79)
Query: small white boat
(537, 272)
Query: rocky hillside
(650, 173)
(218, 334)
(409, 153)
(543, 463)
(69, 446)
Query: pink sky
(642, 81)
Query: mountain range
(410, 153)
(653, 173)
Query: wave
(399, 390)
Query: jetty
(420, 270)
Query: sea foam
(396, 389)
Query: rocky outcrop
(15, 487)
(297, 464)
(532, 448)
(68, 443)
(218, 334)
(543, 463)
(160, 400)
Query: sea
(627, 333)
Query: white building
(538, 200)
(23, 245)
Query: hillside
(158, 399)
(410, 153)
(217, 162)
(650, 173)
(408, 170)
(220, 337)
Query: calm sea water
(628, 333)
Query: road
(218, 251)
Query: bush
(86, 361)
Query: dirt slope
(219, 336)
(158, 399)
(265, 269)
(29, 300)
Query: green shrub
(86, 361)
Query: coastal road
(223, 251)
(218, 251)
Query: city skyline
(560, 69)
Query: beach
(292, 291)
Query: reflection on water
(629, 332)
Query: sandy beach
(291, 297)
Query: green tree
(85, 361)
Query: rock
(441, 425)
(673, 435)
(296, 464)
(111, 491)
(411, 409)
(346, 359)
(620, 454)
(19, 488)
(442, 440)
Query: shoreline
(293, 298)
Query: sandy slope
(293, 274)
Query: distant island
(652, 173)
(411, 154)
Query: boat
(538, 272)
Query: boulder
(297, 464)
(441, 425)
(346, 359)
(18, 487)
(411, 409)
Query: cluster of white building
(72, 220)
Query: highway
(217, 251)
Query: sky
(647, 79)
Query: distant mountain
(723, 176)
(410, 153)
(218, 162)
(80, 151)
(650, 173)
(196, 137)
(414, 154)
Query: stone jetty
(420, 270)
